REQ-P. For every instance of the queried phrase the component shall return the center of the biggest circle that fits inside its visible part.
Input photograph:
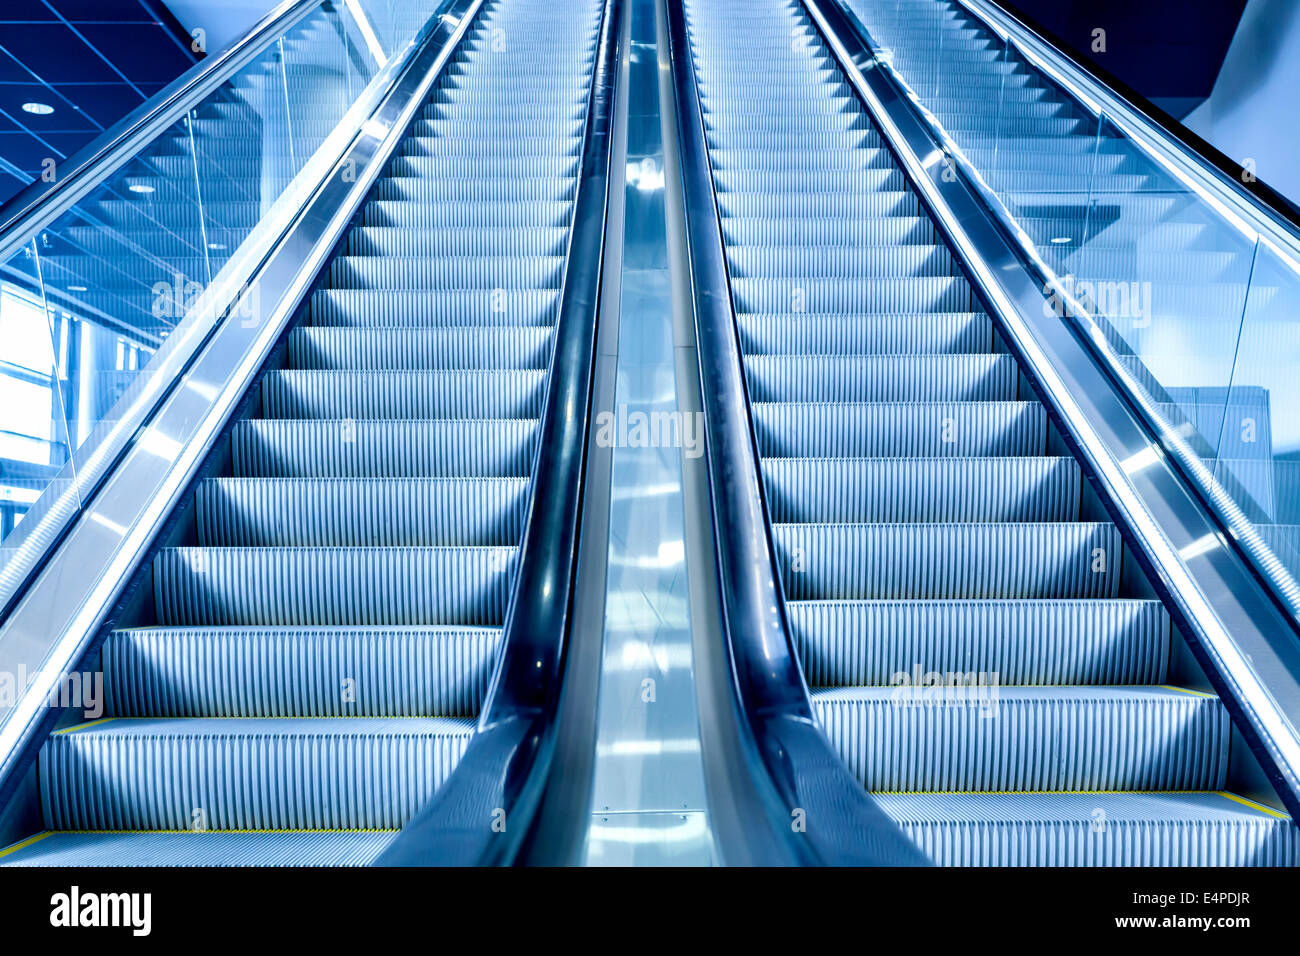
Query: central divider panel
(649, 805)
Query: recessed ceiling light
(76, 288)
(1060, 239)
(216, 246)
(40, 109)
(140, 188)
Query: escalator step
(553, 169)
(333, 586)
(1095, 829)
(442, 394)
(817, 294)
(817, 206)
(997, 560)
(359, 448)
(991, 738)
(867, 334)
(520, 347)
(247, 774)
(870, 429)
(454, 272)
(298, 671)
(860, 490)
(881, 378)
(835, 260)
(296, 512)
(391, 241)
(170, 848)
(861, 643)
(833, 233)
(796, 180)
(442, 308)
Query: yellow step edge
(23, 844)
(90, 723)
(1277, 814)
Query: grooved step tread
(210, 848)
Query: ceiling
(1168, 51)
(93, 61)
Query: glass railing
(103, 303)
(1191, 299)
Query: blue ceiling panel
(91, 61)
(106, 11)
(34, 11)
(140, 51)
(11, 71)
(24, 150)
(66, 117)
(65, 144)
(106, 103)
(54, 53)
(10, 184)
(1159, 48)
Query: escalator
(985, 654)
(309, 657)
(336, 630)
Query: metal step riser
(196, 587)
(298, 672)
(864, 643)
(977, 561)
(988, 740)
(241, 781)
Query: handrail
(481, 816)
(1248, 212)
(1234, 626)
(39, 203)
(821, 812)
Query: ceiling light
(140, 188)
(40, 109)
(76, 288)
(1060, 239)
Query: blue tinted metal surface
(648, 798)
